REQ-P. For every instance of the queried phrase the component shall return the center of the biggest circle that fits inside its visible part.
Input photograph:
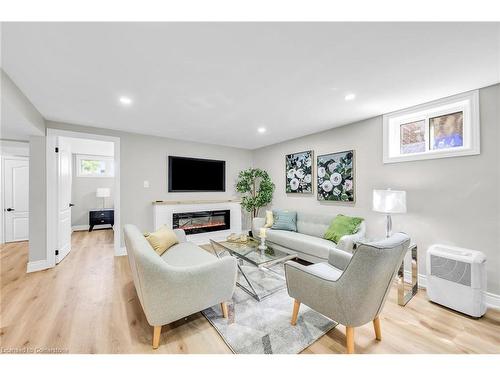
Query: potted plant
(256, 190)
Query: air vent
(451, 270)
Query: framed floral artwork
(336, 177)
(299, 172)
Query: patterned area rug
(264, 327)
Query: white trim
(85, 227)
(121, 252)
(38, 265)
(76, 228)
(51, 160)
(491, 300)
(467, 102)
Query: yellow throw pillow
(269, 219)
(162, 240)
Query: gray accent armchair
(182, 281)
(351, 288)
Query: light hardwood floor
(88, 304)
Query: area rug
(264, 327)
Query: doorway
(15, 188)
(83, 189)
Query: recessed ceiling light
(261, 130)
(125, 100)
(350, 97)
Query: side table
(407, 290)
(100, 216)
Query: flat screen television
(190, 174)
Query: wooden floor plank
(88, 304)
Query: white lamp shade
(102, 193)
(389, 201)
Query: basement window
(446, 127)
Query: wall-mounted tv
(190, 174)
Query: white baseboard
(491, 300)
(421, 279)
(76, 228)
(85, 227)
(121, 252)
(37, 265)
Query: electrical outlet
(146, 184)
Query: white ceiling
(219, 82)
(90, 146)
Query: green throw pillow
(342, 226)
(284, 220)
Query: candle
(262, 233)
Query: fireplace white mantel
(163, 215)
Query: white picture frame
(465, 104)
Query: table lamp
(103, 193)
(389, 202)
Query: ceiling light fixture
(125, 100)
(350, 97)
(261, 130)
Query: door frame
(3, 222)
(52, 191)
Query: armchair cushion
(187, 254)
(342, 226)
(325, 271)
(339, 258)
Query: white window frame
(110, 167)
(468, 103)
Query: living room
(250, 188)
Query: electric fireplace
(201, 221)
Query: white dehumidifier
(456, 278)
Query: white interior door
(64, 199)
(16, 199)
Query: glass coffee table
(261, 274)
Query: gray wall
(83, 191)
(144, 157)
(37, 200)
(451, 201)
(16, 106)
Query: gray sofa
(308, 241)
(182, 281)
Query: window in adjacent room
(94, 166)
